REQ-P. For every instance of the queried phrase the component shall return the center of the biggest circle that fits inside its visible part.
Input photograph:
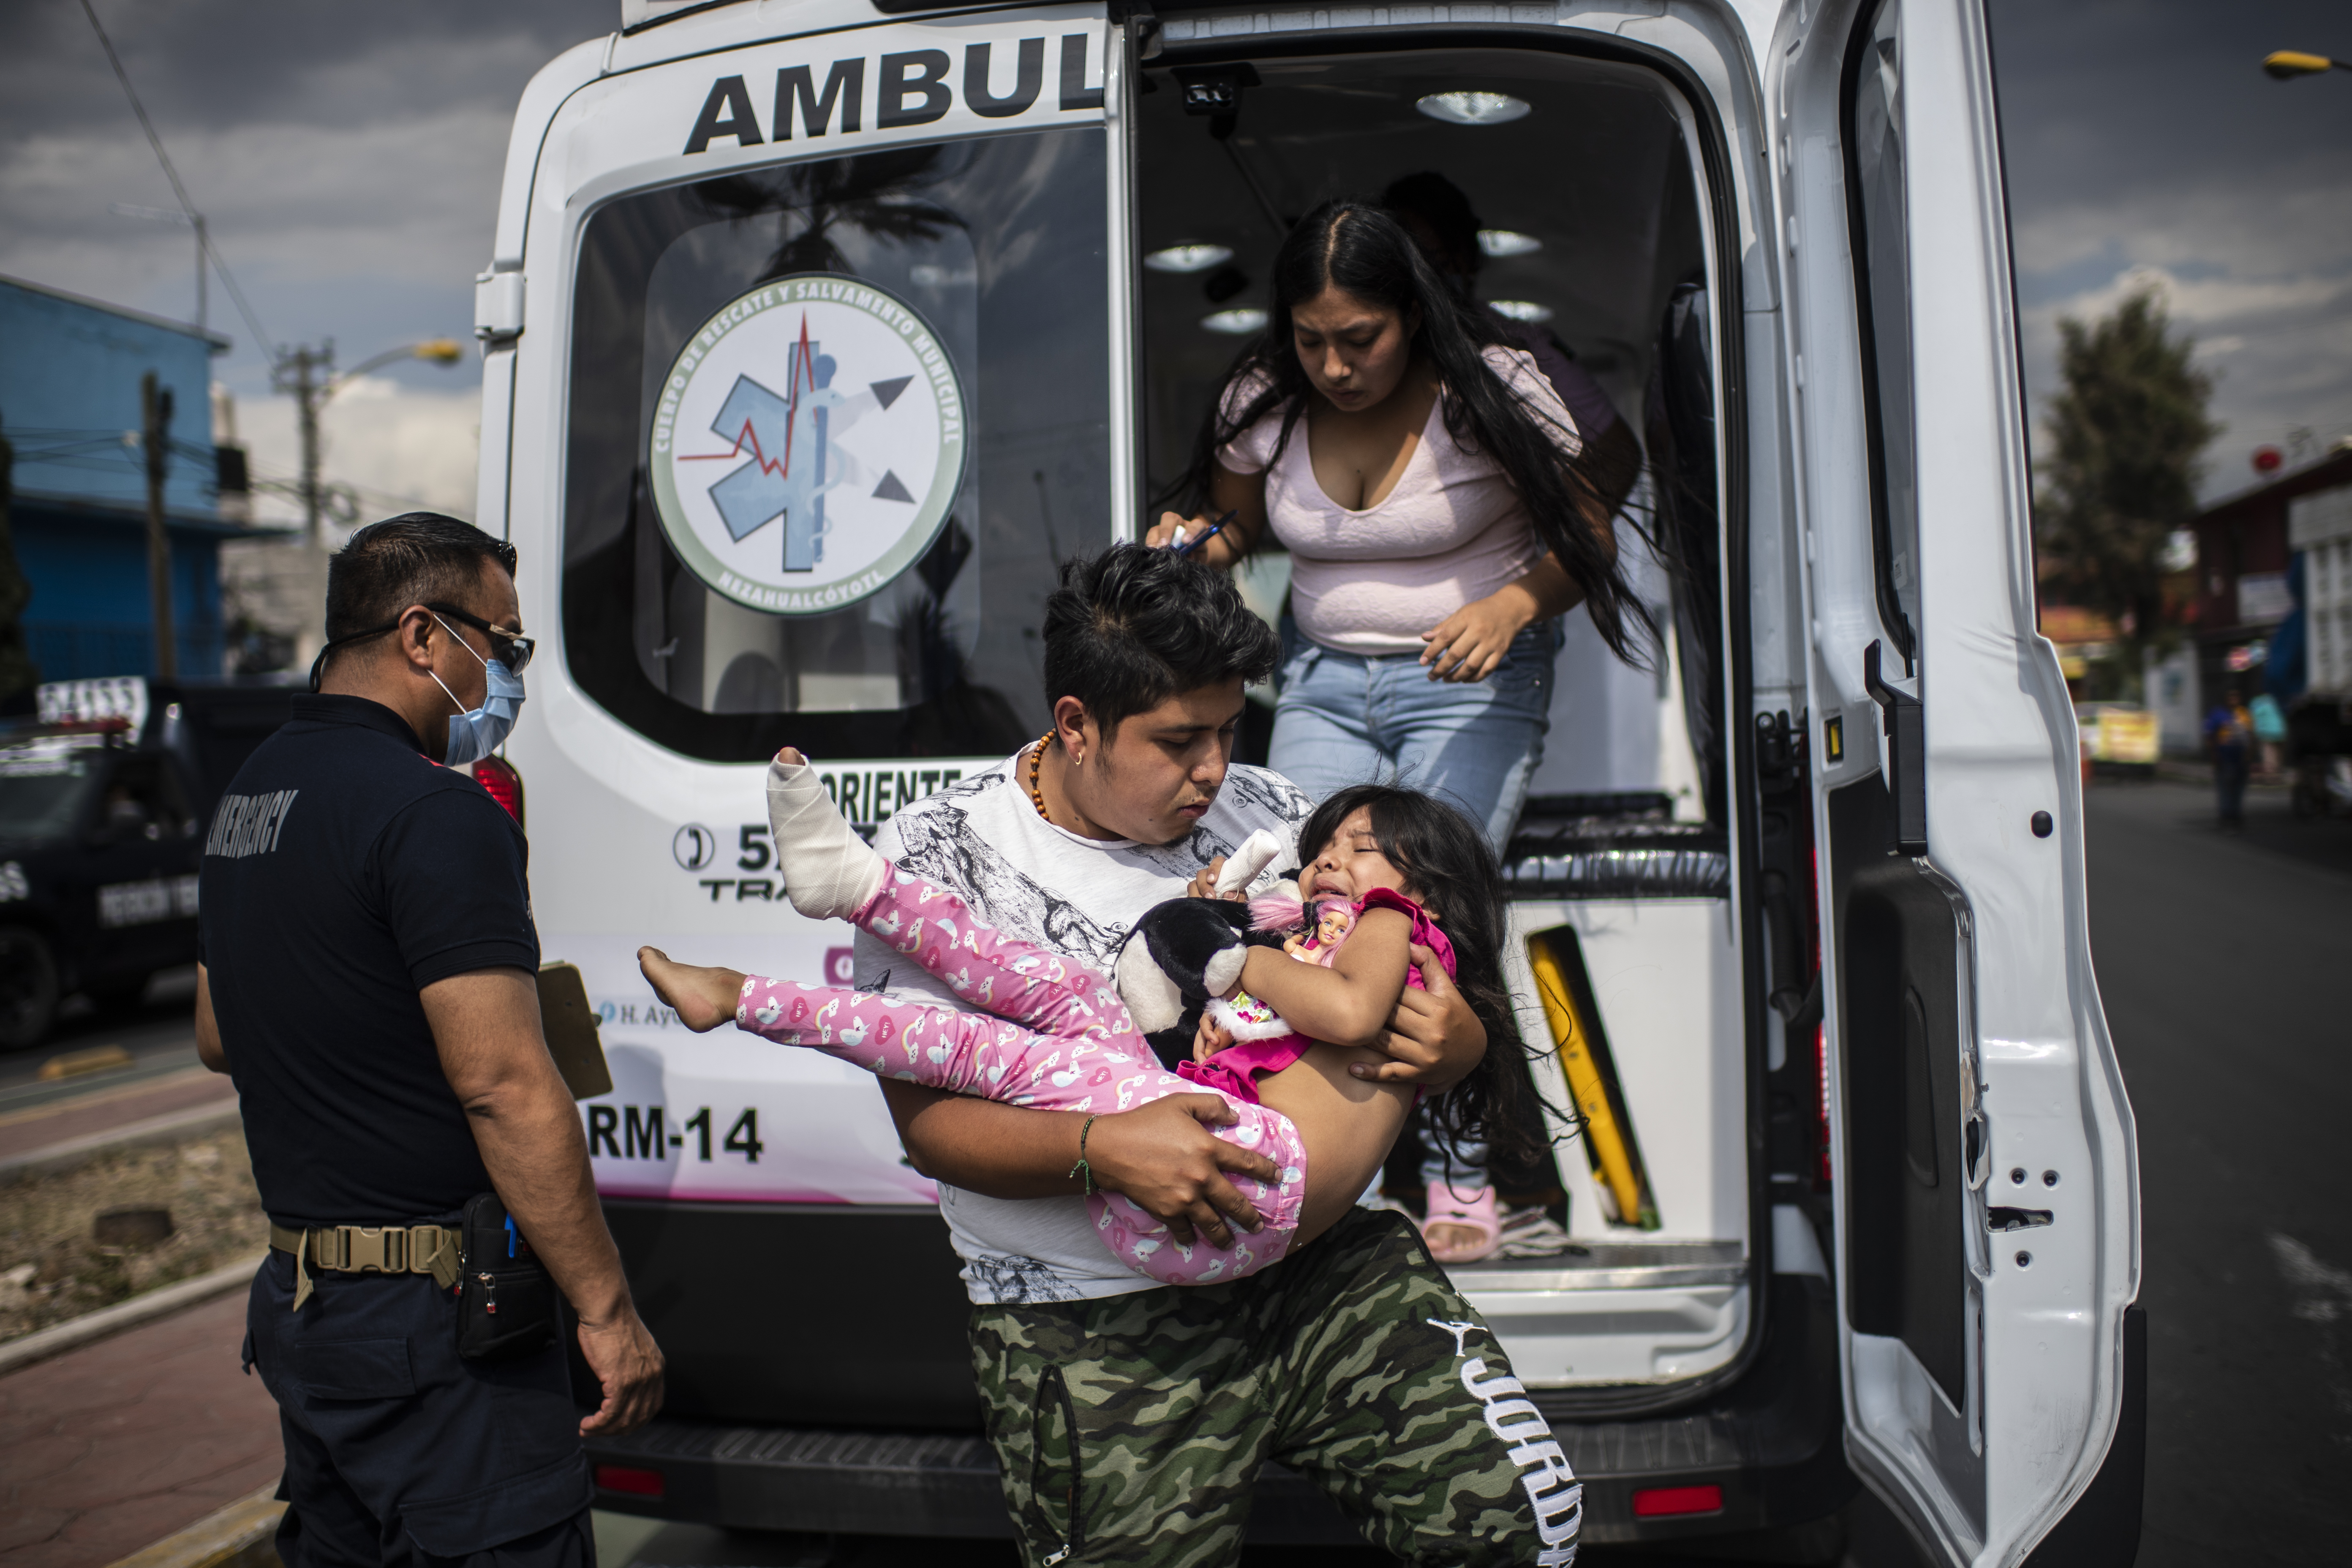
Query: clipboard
(569, 1024)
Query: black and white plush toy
(1187, 951)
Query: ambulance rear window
(831, 423)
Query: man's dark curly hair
(1131, 628)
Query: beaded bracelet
(1082, 1167)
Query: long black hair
(1362, 250)
(1450, 872)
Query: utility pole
(307, 372)
(156, 419)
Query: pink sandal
(1472, 1211)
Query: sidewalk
(108, 1447)
(102, 1110)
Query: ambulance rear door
(1984, 1166)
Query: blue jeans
(2229, 781)
(1346, 719)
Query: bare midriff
(1347, 1124)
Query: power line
(262, 339)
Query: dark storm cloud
(203, 64)
(346, 156)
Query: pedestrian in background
(366, 974)
(2270, 733)
(2229, 730)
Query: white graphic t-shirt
(983, 839)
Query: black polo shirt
(345, 872)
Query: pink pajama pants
(1055, 1036)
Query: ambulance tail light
(630, 1482)
(1669, 1502)
(498, 775)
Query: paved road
(157, 1035)
(2223, 963)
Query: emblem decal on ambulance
(808, 444)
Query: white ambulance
(818, 331)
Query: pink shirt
(1452, 532)
(1237, 1067)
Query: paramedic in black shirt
(366, 976)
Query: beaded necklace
(1037, 761)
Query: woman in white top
(1421, 474)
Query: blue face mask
(476, 733)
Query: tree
(2127, 437)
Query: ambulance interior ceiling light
(1472, 108)
(1195, 257)
(1235, 324)
(1501, 242)
(1521, 309)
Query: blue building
(69, 373)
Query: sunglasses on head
(509, 648)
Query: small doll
(1318, 944)
(1311, 934)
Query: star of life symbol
(808, 444)
(797, 431)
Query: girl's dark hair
(1364, 251)
(1452, 873)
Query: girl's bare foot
(1457, 1243)
(703, 997)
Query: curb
(195, 1122)
(242, 1535)
(81, 1330)
(100, 1093)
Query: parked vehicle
(2123, 737)
(2319, 754)
(1868, 1207)
(102, 809)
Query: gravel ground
(52, 1268)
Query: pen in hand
(1183, 546)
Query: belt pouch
(506, 1300)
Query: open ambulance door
(1984, 1173)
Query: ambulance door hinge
(1142, 25)
(497, 307)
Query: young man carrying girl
(1130, 1418)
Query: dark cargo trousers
(398, 1451)
(1130, 1430)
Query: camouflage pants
(1132, 1429)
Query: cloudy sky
(347, 158)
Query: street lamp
(436, 351)
(2285, 65)
(297, 371)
